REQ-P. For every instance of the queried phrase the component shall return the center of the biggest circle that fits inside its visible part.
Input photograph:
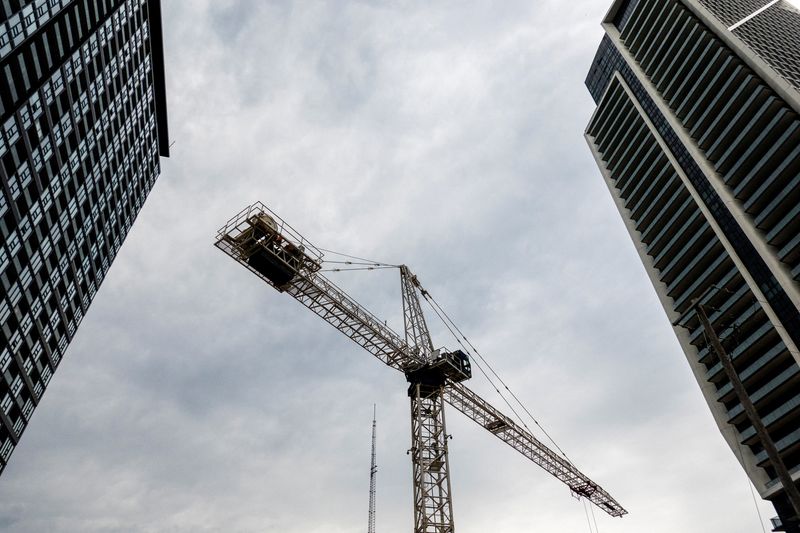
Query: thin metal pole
(769, 445)
(373, 470)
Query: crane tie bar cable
(356, 268)
(370, 261)
(480, 367)
(356, 263)
(435, 305)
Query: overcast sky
(445, 135)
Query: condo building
(83, 123)
(697, 135)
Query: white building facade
(697, 135)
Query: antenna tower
(373, 469)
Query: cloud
(447, 136)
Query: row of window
(103, 129)
(670, 63)
(25, 22)
(31, 113)
(70, 231)
(759, 354)
(110, 198)
(17, 25)
(30, 64)
(77, 288)
(621, 137)
(74, 65)
(70, 211)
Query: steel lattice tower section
(433, 505)
(373, 470)
(416, 329)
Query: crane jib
(262, 242)
(479, 410)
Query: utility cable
(755, 503)
(439, 312)
(750, 485)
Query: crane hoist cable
(369, 264)
(480, 367)
(588, 521)
(435, 305)
(591, 510)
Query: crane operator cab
(270, 253)
(444, 366)
(455, 365)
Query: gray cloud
(447, 136)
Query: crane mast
(433, 504)
(373, 471)
(262, 242)
(416, 329)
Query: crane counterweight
(268, 246)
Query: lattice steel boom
(262, 242)
(521, 440)
(310, 288)
(417, 335)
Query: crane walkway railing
(336, 307)
(479, 410)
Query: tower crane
(265, 244)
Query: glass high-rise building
(83, 123)
(697, 134)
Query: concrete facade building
(82, 126)
(697, 134)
